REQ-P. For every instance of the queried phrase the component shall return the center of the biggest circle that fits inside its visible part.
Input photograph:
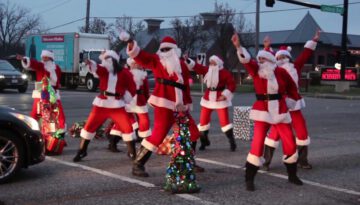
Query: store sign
(47, 39)
(354, 52)
(331, 73)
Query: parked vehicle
(71, 50)
(10, 78)
(21, 143)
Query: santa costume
(116, 88)
(298, 121)
(52, 71)
(171, 94)
(219, 82)
(271, 83)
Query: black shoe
(82, 152)
(293, 178)
(204, 140)
(302, 160)
(131, 150)
(268, 155)
(142, 157)
(230, 135)
(250, 173)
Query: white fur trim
(134, 52)
(144, 134)
(136, 109)
(128, 137)
(302, 142)
(254, 160)
(127, 97)
(27, 64)
(110, 102)
(47, 53)
(161, 102)
(294, 105)
(148, 145)
(215, 104)
(264, 116)
(167, 45)
(283, 52)
(115, 132)
(228, 94)
(311, 45)
(246, 58)
(227, 127)
(135, 125)
(124, 36)
(218, 61)
(292, 159)
(271, 143)
(112, 54)
(190, 65)
(266, 54)
(203, 127)
(87, 135)
(130, 62)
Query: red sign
(47, 39)
(334, 74)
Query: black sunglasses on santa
(166, 49)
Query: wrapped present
(165, 147)
(55, 145)
(243, 126)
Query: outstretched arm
(193, 66)
(306, 54)
(29, 64)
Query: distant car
(12, 78)
(21, 143)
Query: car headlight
(31, 122)
(24, 76)
(2, 76)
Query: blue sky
(57, 12)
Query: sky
(58, 12)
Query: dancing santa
(271, 84)
(220, 88)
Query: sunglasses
(165, 49)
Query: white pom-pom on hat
(124, 36)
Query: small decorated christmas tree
(180, 176)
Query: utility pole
(257, 26)
(87, 16)
(344, 40)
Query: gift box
(165, 147)
(55, 145)
(243, 126)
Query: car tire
(23, 89)
(91, 83)
(11, 155)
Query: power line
(56, 6)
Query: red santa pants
(257, 145)
(139, 119)
(205, 118)
(163, 121)
(299, 125)
(99, 115)
(61, 116)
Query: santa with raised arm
(171, 94)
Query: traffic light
(270, 3)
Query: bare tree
(98, 26)
(15, 23)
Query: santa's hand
(317, 35)
(124, 36)
(267, 42)
(221, 98)
(181, 108)
(235, 40)
(87, 62)
(19, 57)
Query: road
(105, 178)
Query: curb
(330, 96)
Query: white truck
(71, 50)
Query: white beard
(51, 67)
(266, 71)
(171, 62)
(138, 76)
(211, 78)
(108, 64)
(289, 67)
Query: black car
(21, 143)
(12, 78)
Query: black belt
(266, 97)
(139, 92)
(110, 94)
(171, 83)
(217, 89)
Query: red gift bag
(165, 147)
(55, 145)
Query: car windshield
(4, 65)
(94, 55)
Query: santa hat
(218, 60)
(284, 50)
(130, 62)
(168, 42)
(47, 53)
(266, 54)
(112, 54)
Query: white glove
(124, 36)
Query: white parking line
(333, 188)
(188, 197)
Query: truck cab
(86, 77)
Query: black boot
(131, 149)
(113, 141)
(302, 160)
(197, 168)
(138, 138)
(250, 173)
(293, 178)
(204, 140)
(82, 152)
(268, 155)
(230, 135)
(142, 157)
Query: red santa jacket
(270, 111)
(139, 102)
(42, 71)
(120, 84)
(226, 86)
(165, 96)
(294, 70)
